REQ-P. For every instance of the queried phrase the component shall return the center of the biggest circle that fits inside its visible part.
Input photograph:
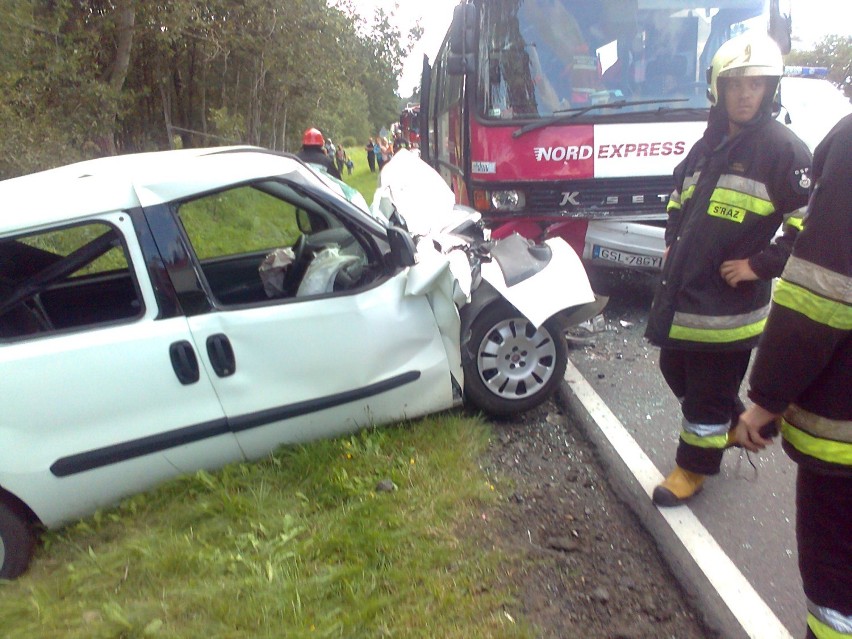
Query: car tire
(512, 366)
(17, 541)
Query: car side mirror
(303, 221)
(396, 219)
(402, 247)
(310, 223)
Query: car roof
(123, 182)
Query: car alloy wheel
(513, 366)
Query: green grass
(300, 544)
(361, 177)
(69, 239)
(255, 221)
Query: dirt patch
(586, 567)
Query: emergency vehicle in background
(811, 104)
(409, 124)
(566, 117)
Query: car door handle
(184, 362)
(221, 355)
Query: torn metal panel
(562, 284)
(539, 281)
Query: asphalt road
(750, 512)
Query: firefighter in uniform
(746, 177)
(803, 371)
(312, 152)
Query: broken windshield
(541, 57)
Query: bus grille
(640, 198)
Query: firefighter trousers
(707, 384)
(824, 536)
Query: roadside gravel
(583, 564)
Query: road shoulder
(691, 554)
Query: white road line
(756, 618)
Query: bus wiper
(672, 111)
(569, 114)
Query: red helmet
(312, 137)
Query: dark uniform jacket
(731, 196)
(315, 155)
(805, 356)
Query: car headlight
(511, 200)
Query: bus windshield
(539, 58)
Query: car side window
(65, 278)
(266, 241)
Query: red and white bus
(566, 117)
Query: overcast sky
(812, 19)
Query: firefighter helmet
(312, 137)
(749, 54)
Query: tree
(382, 50)
(62, 88)
(80, 78)
(833, 52)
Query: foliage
(80, 78)
(833, 52)
(301, 544)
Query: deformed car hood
(412, 190)
(562, 284)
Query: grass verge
(301, 544)
(361, 178)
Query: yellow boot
(679, 486)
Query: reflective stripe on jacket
(829, 440)
(729, 201)
(804, 362)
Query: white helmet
(749, 54)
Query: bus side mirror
(462, 57)
(780, 26)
